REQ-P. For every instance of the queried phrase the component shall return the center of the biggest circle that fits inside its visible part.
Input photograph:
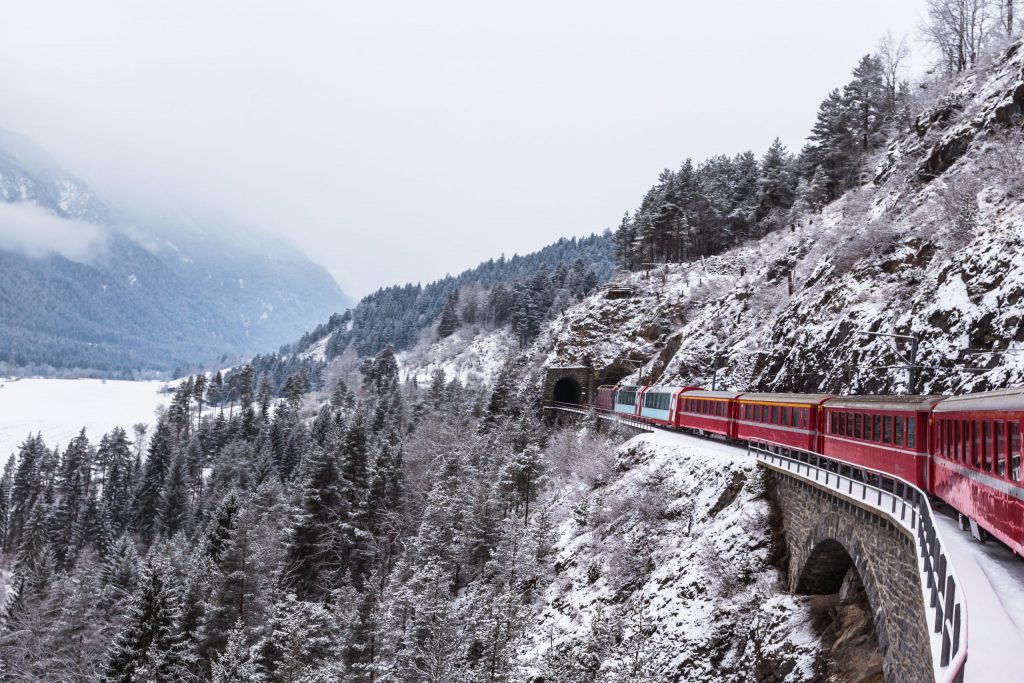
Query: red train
(965, 450)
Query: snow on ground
(472, 355)
(59, 408)
(993, 585)
(668, 579)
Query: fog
(33, 231)
(396, 142)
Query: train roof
(667, 389)
(713, 394)
(895, 403)
(810, 399)
(1003, 399)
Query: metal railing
(905, 505)
(602, 413)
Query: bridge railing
(909, 507)
(602, 413)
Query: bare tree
(1006, 12)
(892, 52)
(958, 29)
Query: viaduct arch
(827, 537)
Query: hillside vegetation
(929, 246)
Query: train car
(606, 397)
(658, 404)
(887, 433)
(712, 412)
(787, 419)
(626, 399)
(976, 464)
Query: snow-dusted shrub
(957, 200)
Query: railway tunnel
(567, 390)
(573, 384)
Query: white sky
(396, 142)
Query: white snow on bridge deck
(993, 588)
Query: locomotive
(964, 450)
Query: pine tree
(174, 512)
(449, 321)
(236, 665)
(776, 186)
(146, 505)
(26, 486)
(318, 548)
(148, 646)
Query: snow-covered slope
(473, 356)
(933, 248)
(664, 574)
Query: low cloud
(29, 229)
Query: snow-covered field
(59, 408)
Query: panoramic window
(1014, 441)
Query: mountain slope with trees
(131, 302)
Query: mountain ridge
(90, 290)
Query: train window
(976, 450)
(805, 414)
(887, 429)
(878, 428)
(858, 425)
(987, 452)
(897, 432)
(842, 424)
(999, 446)
(947, 441)
(775, 415)
(911, 432)
(965, 441)
(785, 415)
(1013, 437)
(833, 419)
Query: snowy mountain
(88, 287)
(931, 246)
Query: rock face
(933, 248)
(665, 574)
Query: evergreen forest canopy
(247, 544)
(397, 315)
(706, 208)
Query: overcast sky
(396, 142)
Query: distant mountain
(87, 287)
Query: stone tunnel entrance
(569, 384)
(567, 390)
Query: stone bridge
(840, 531)
(827, 538)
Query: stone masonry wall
(884, 556)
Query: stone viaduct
(828, 537)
